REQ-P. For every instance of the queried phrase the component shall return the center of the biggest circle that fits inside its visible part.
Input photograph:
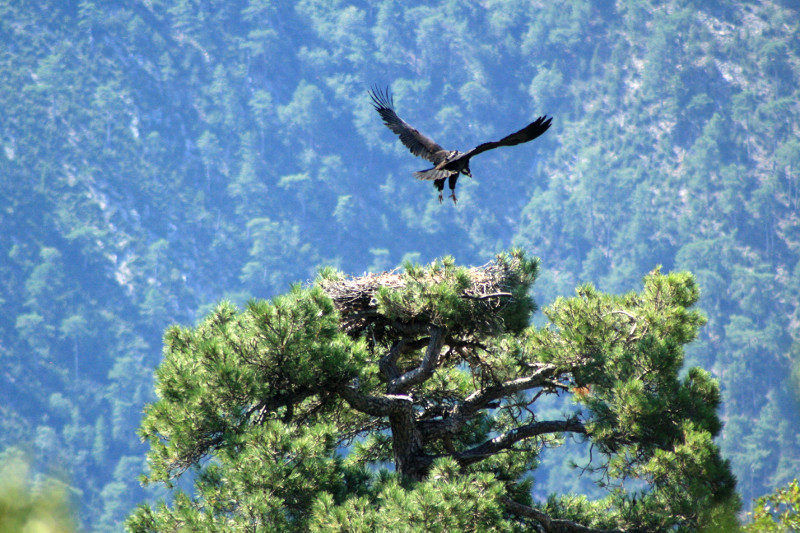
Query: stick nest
(464, 299)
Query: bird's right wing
(419, 144)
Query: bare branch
(476, 400)
(552, 525)
(385, 405)
(263, 408)
(487, 296)
(623, 312)
(425, 368)
(388, 363)
(462, 412)
(509, 438)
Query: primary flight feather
(447, 164)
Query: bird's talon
(440, 198)
(455, 200)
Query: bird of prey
(447, 164)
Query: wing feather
(433, 174)
(419, 144)
(528, 133)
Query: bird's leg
(451, 182)
(439, 184)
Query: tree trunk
(409, 458)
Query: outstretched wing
(434, 174)
(528, 133)
(419, 144)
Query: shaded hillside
(159, 156)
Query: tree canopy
(415, 401)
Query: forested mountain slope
(158, 156)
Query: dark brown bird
(448, 164)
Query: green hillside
(161, 155)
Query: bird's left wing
(419, 144)
(528, 133)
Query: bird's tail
(433, 174)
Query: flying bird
(447, 164)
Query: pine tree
(291, 413)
